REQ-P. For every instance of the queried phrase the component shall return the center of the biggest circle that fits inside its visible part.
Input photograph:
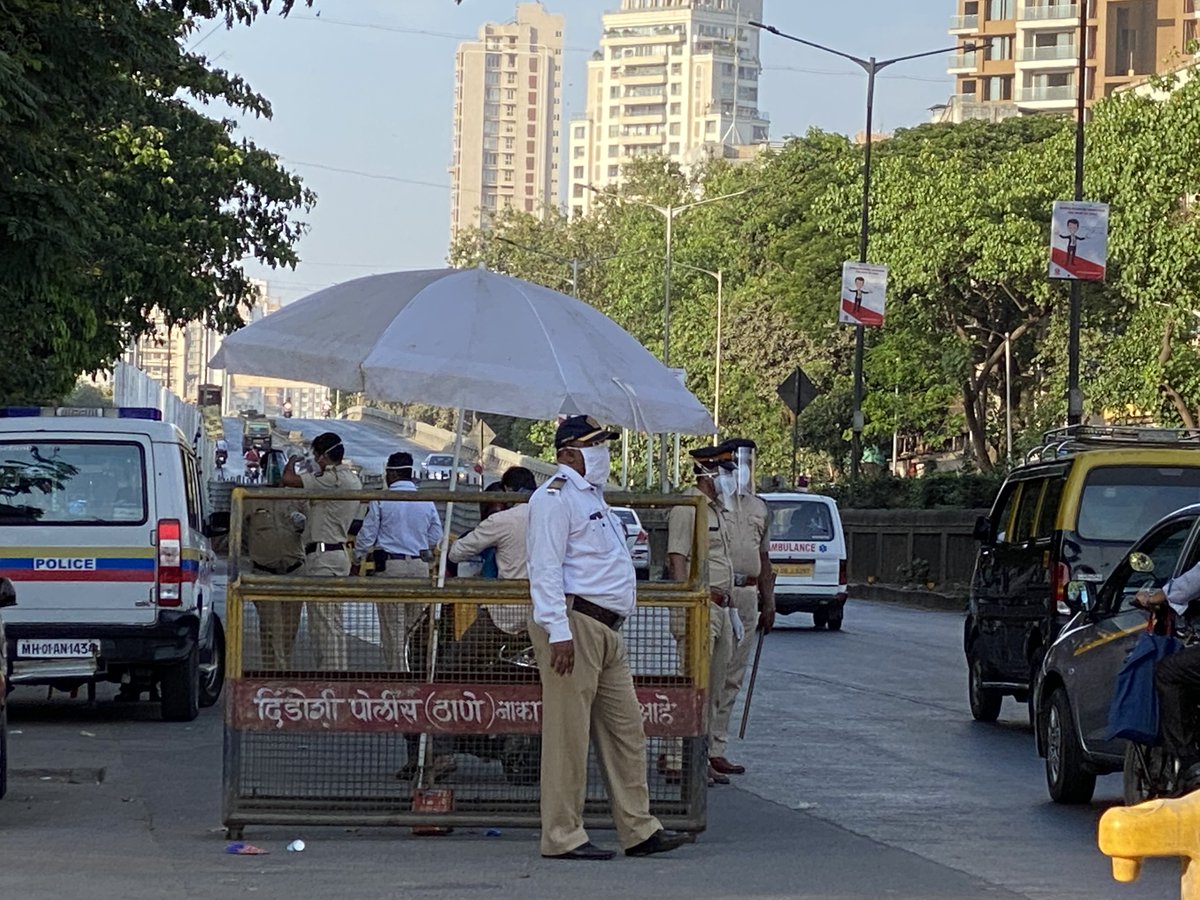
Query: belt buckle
(739, 580)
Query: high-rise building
(676, 78)
(1027, 53)
(507, 104)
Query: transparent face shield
(744, 457)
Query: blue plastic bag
(1133, 713)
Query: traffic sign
(797, 391)
(481, 436)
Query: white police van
(104, 533)
(808, 554)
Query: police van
(104, 533)
(808, 554)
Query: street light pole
(719, 275)
(872, 67)
(669, 213)
(1074, 395)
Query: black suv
(1069, 513)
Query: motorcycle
(287, 410)
(252, 472)
(222, 458)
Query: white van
(808, 553)
(104, 533)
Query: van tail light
(642, 538)
(842, 572)
(1058, 588)
(170, 562)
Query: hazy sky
(366, 87)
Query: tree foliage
(118, 194)
(960, 215)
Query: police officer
(404, 533)
(715, 482)
(326, 540)
(272, 537)
(753, 592)
(582, 584)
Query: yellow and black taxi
(1077, 678)
(1069, 513)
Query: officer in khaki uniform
(326, 541)
(714, 481)
(583, 589)
(753, 592)
(272, 538)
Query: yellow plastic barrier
(1155, 828)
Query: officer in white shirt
(400, 533)
(582, 585)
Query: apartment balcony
(1191, 9)
(643, 140)
(964, 24)
(1046, 97)
(963, 62)
(644, 118)
(1058, 15)
(1057, 54)
(645, 78)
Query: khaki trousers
(597, 699)
(325, 630)
(278, 622)
(745, 601)
(396, 620)
(720, 646)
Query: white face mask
(597, 464)
(727, 484)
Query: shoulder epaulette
(556, 484)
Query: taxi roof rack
(1058, 443)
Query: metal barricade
(329, 691)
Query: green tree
(118, 195)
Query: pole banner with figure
(864, 290)
(1078, 241)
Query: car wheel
(820, 618)
(1066, 778)
(212, 673)
(1142, 777)
(181, 688)
(835, 624)
(985, 702)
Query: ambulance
(105, 535)
(808, 554)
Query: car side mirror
(218, 524)
(983, 530)
(1080, 596)
(8, 593)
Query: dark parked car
(1069, 513)
(1075, 686)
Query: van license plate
(64, 648)
(803, 569)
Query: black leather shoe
(585, 851)
(661, 842)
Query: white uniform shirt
(396, 527)
(508, 532)
(1183, 589)
(576, 546)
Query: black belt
(601, 614)
(402, 556)
(279, 571)
(322, 548)
(745, 580)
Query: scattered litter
(492, 832)
(87, 734)
(45, 778)
(126, 799)
(240, 848)
(296, 846)
(16, 731)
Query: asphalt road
(367, 444)
(867, 779)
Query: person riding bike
(1177, 678)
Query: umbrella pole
(425, 752)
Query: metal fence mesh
(348, 694)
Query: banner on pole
(864, 290)
(1078, 241)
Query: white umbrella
(467, 339)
